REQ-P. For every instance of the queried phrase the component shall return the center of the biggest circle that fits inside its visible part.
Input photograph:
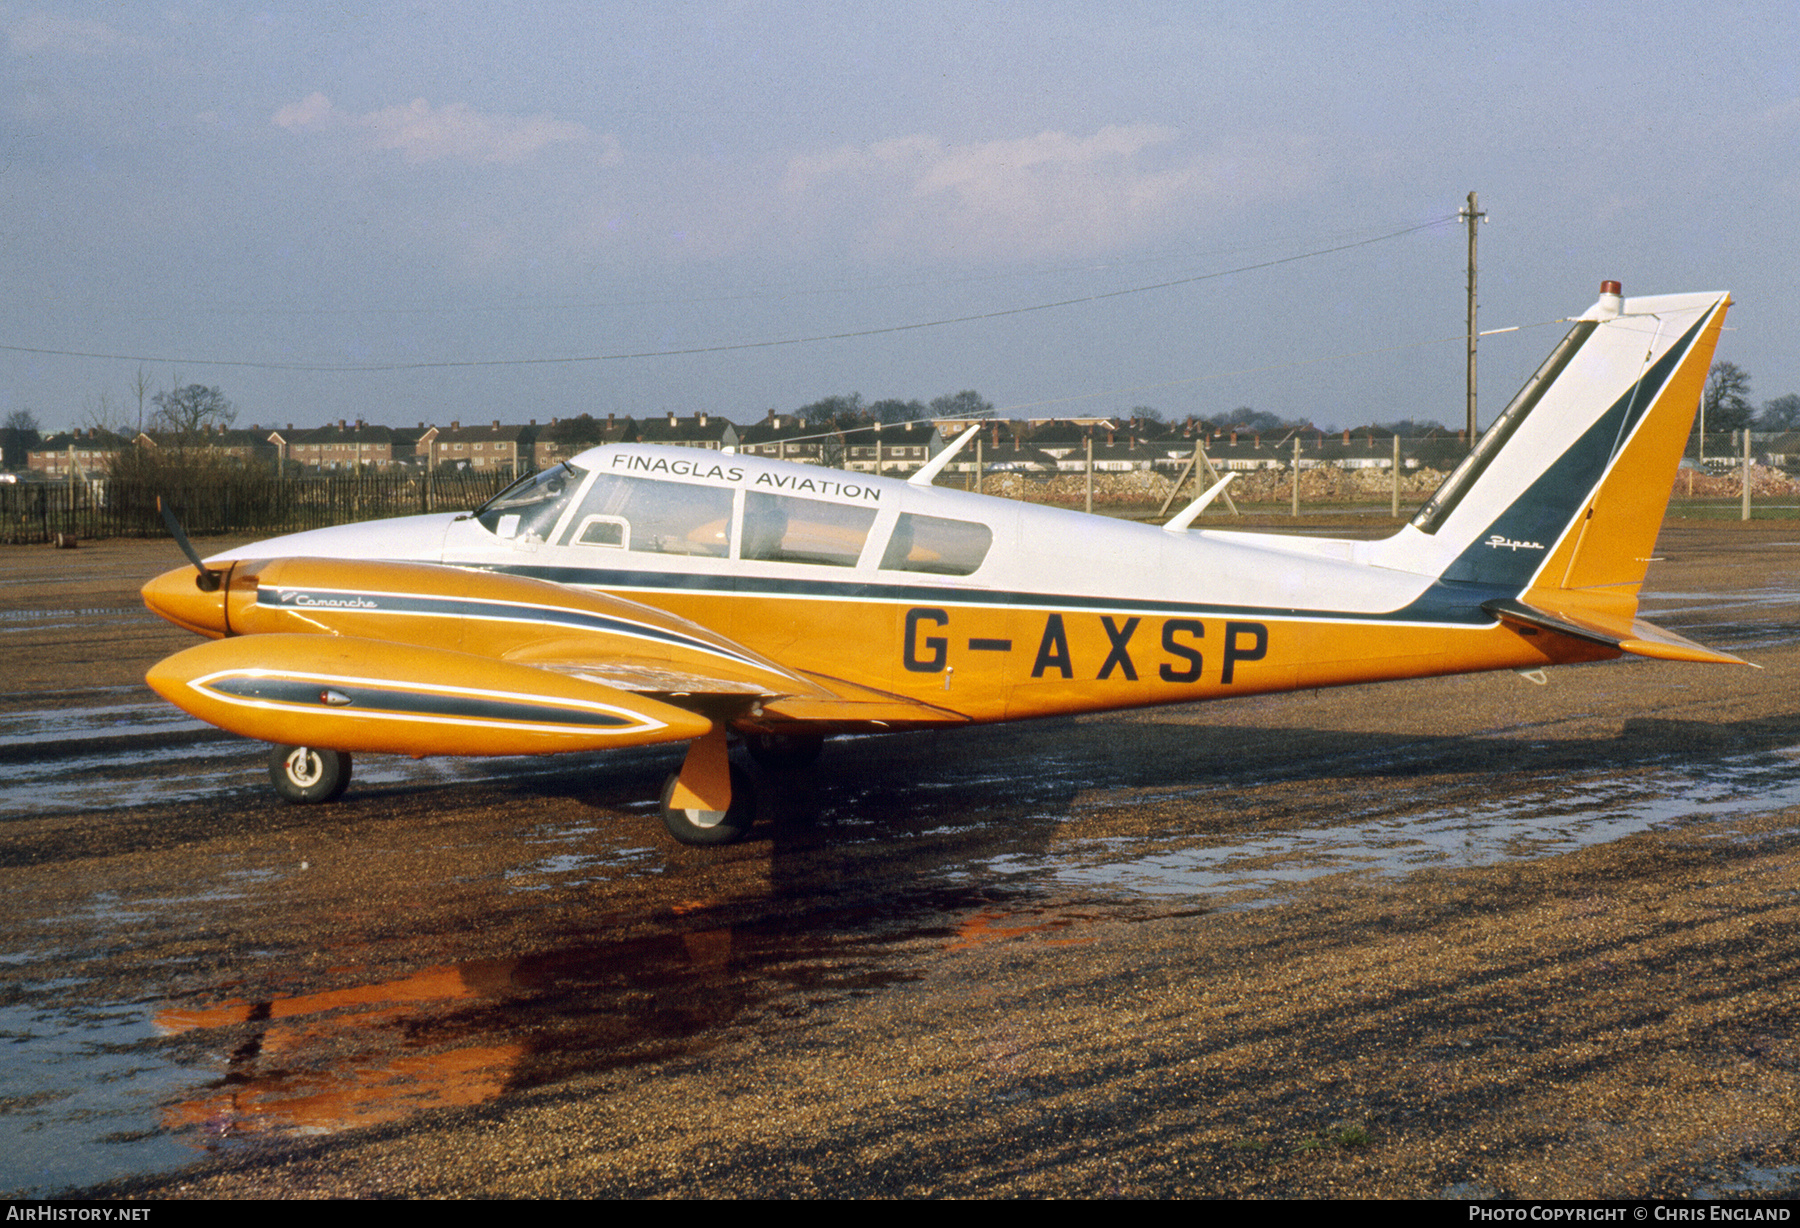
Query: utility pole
(1396, 476)
(1746, 471)
(1472, 214)
(1296, 473)
(1090, 471)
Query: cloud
(1053, 193)
(422, 133)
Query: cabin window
(529, 509)
(651, 517)
(782, 529)
(937, 546)
(614, 531)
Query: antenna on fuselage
(1186, 515)
(935, 466)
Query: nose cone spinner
(180, 597)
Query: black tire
(711, 827)
(308, 775)
(784, 752)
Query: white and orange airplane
(637, 595)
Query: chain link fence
(257, 502)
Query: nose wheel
(307, 775)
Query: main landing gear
(784, 752)
(306, 775)
(710, 801)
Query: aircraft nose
(178, 596)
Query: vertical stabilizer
(1566, 491)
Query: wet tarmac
(1451, 937)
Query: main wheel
(712, 826)
(780, 752)
(306, 774)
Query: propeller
(209, 580)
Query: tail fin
(1553, 516)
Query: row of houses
(339, 447)
(347, 446)
(1043, 446)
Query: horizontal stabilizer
(1621, 631)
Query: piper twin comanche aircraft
(639, 595)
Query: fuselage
(987, 607)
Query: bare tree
(1725, 405)
(895, 410)
(18, 435)
(100, 412)
(965, 404)
(832, 410)
(140, 388)
(1780, 414)
(184, 417)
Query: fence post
(1746, 514)
(1090, 470)
(1395, 510)
(1296, 473)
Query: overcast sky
(312, 192)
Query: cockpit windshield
(531, 506)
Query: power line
(997, 411)
(1279, 366)
(746, 295)
(733, 346)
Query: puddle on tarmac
(54, 620)
(580, 865)
(79, 1096)
(200, 764)
(48, 732)
(1668, 604)
(1752, 1181)
(131, 754)
(89, 1095)
(1741, 620)
(1393, 839)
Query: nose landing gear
(307, 775)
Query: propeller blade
(209, 579)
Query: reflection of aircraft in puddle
(462, 1034)
(641, 594)
(275, 1081)
(447, 1036)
